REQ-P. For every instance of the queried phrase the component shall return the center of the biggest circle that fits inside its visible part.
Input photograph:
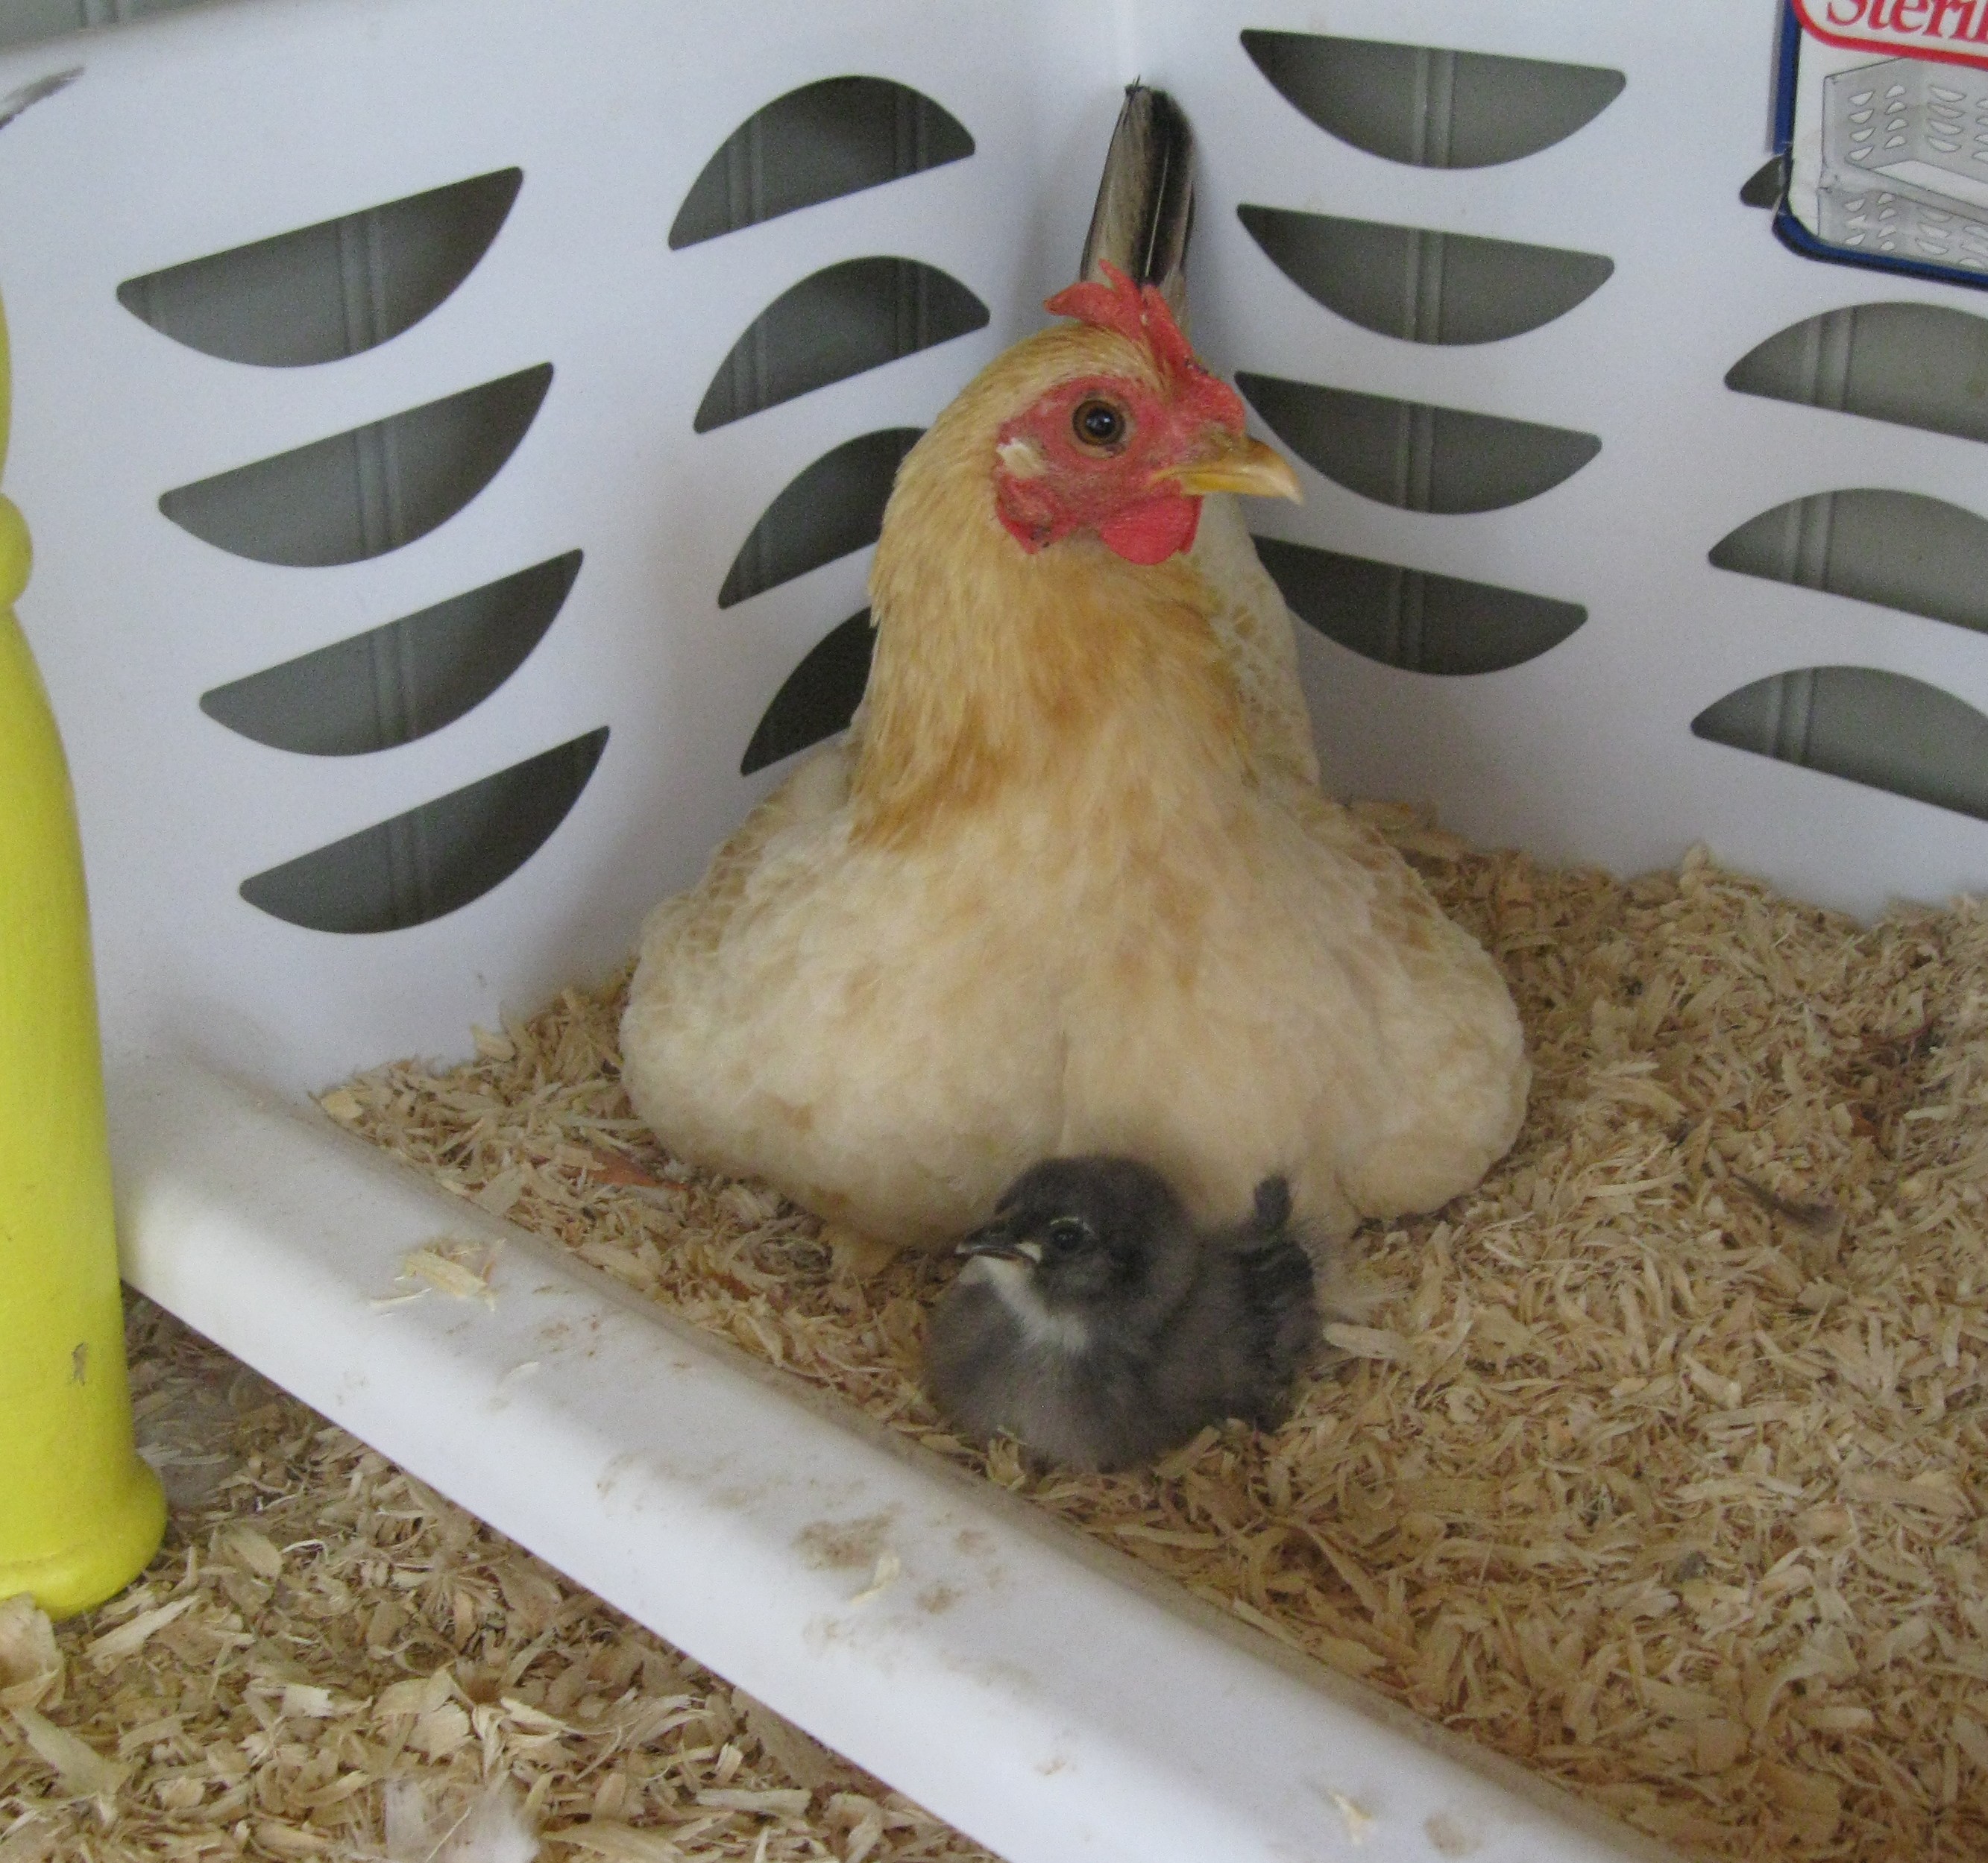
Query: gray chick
(1094, 1324)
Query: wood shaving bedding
(1660, 1467)
(328, 1660)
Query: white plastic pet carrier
(405, 656)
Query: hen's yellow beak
(1237, 463)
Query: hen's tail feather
(1145, 213)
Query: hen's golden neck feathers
(994, 667)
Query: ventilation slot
(835, 506)
(1896, 549)
(817, 144)
(1433, 108)
(1879, 729)
(331, 290)
(842, 321)
(819, 697)
(361, 494)
(393, 684)
(1410, 619)
(1414, 456)
(1915, 365)
(434, 859)
(1427, 286)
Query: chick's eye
(1098, 423)
(1067, 1233)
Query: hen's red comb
(1137, 311)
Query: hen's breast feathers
(1253, 625)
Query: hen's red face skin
(1092, 454)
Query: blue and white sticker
(1881, 118)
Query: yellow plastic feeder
(80, 1514)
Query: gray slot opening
(818, 698)
(1880, 729)
(1415, 456)
(331, 290)
(360, 494)
(1428, 105)
(23, 22)
(1425, 286)
(817, 144)
(1899, 549)
(394, 684)
(826, 510)
(840, 322)
(1413, 619)
(433, 859)
(1915, 365)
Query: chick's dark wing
(1207, 1362)
(1128, 1406)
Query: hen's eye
(1067, 1233)
(1098, 423)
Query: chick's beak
(1234, 462)
(993, 1240)
(997, 1239)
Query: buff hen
(1068, 884)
